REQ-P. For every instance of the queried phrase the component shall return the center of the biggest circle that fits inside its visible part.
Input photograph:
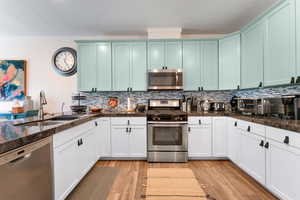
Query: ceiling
(126, 17)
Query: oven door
(165, 80)
(167, 137)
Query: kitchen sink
(64, 118)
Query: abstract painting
(12, 80)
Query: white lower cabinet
(104, 132)
(129, 141)
(199, 138)
(219, 137)
(73, 157)
(253, 155)
(282, 168)
(233, 147)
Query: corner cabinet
(280, 47)
(229, 62)
(200, 65)
(165, 53)
(129, 66)
(252, 56)
(94, 66)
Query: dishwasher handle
(20, 159)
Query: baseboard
(123, 158)
(208, 158)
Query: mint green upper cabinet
(156, 54)
(165, 53)
(210, 65)
(229, 62)
(280, 45)
(139, 66)
(252, 50)
(298, 38)
(121, 66)
(173, 54)
(103, 66)
(191, 65)
(87, 66)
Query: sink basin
(41, 123)
(64, 118)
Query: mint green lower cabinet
(210, 65)
(121, 66)
(191, 65)
(139, 66)
(252, 55)
(298, 38)
(173, 54)
(103, 66)
(156, 54)
(280, 45)
(87, 67)
(229, 62)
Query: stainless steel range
(167, 131)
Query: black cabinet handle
(238, 87)
(129, 130)
(198, 89)
(248, 129)
(267, 145)
(202, 88)
(199, 121)
(235, 123)
(260, 84)
(262, 143)
(189, 129)
(95, 90)
(298, 79)
(286, 140)
(126, 130)
(96, 123)
(293, 80)
(128, 122)
(79, 142)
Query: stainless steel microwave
(165, 79)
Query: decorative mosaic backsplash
(101, 98)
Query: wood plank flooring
(220, 179)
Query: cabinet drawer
(283, 136)
(123, 121)
(199, 120)
(251, 127)
(69, 134)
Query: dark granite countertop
(290, 125)
(15, 134)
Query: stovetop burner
(166, 115)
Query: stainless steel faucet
(43, 102)
(62, 108)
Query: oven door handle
(167, 123)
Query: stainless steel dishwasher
(26, 173)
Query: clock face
(64, 61)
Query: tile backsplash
(101, 98)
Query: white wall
(40, 74)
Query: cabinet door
(119, 141)
(138, 66)
(156, 54)
(229, 62)
(87, 71)
(280, 45)
(253, 156)
(210, 65)
(104, 133)
(233, 141)
(121, 66)
(138, 141)
(219, 137)
(66, 169)
(173, 54)
(283, 164)
(252, 56)
(191, 65)
(103, 66)
(200, 141)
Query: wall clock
(64, 61)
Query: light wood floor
(220, 179)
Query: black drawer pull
(262, 143)
(286, 140)
(199, 121)
(235, 123)
(128, 122)
(189, 129)
(267, 145)
(96, 123)
(126, 130)
(249, 129)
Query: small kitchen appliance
(167, 131)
